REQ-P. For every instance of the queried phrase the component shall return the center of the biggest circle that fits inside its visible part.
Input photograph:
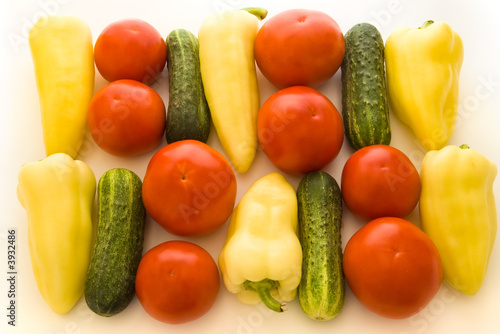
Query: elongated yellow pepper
(58, 194)
(63, 60)
(229, 77)
(262, 258)
(423, 69)
(457, 211)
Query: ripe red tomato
(299, 47)
(130, 49)
(300, 130)
(189, 188)
(177, 282)
(392, 267)
(380, 181)
(126, 118)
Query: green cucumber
(321, 291)
(365, 109)
(188, 115)
(110, 283)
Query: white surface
(21, 141)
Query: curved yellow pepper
(423, 69)
(457, 211)
(262, 256)
(63, 60)
(58, 194)
(228, 72)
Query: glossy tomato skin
(380, 181)
(299, 47)
(300, 130)
(392, 267)
(189, 188)
(177, 282)
(130, 49)
(126, 118)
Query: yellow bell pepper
(262, 258)
(229, 78)
(423, 70)
(63, 60)
(58, 194)
(457, 211)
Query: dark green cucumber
(188, 115)
(365, 109)
(321, 291)
(110, 283)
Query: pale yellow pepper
(63, 60)
(58, 195)
(229, 78)
(423, 73)
(262, 257)
(458, 212)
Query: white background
(478, 125)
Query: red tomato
(299, 47)
(130, 49)
(126, 118)
(189, 188)
(380, 181)
(300, 130)
(177, 282)
(392, 267)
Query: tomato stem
(464, 146)
(263, 288)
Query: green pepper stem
(426, 24)
(263, 288)
(260, 13)
(464, 146)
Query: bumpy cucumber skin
(110, 283)
(365, 108)
(321, 292)
(188, 115)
